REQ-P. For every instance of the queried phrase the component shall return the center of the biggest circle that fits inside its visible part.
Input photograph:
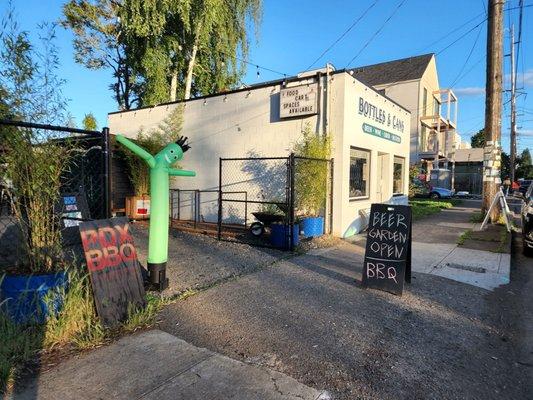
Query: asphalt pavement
(309, 317)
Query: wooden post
(493, 107)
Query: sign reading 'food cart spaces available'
(113, 267)
(297, 101)
(388, 248)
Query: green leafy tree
(161, 50)
(525, 166)
(89, 122)
(478, 140)
(100, 43)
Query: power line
(377, 32)
(343, 34)
(467, 58)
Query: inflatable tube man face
(160, 171)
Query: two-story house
(413, 82)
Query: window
(397, 183)
(359, 173)
(425, 102)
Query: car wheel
(434, 196)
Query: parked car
(424, 189)
(527, 221)
(524, 186)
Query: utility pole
(513, 108)
(493, 107)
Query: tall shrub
(311, 176)
(33, 160)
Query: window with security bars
(359, 173)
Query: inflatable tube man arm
(147, 157)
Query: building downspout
(326, 121)
(319, 120)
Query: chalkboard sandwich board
(113, 268)
(388, 248)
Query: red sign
(113, 267)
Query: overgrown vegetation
(311, 180)
(75, 327)
(466, 235)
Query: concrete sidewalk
(157, 365)
(436, 252)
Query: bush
(311, 176)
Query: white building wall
(350, 220)
(247, 123)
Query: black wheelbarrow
(264, 220)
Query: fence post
(219, 222)
(107, 171)
(291, 200)
(179, 205)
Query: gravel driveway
(198, 261)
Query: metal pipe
(47, 127)
(106, 155)
(219, 233)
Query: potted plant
(311, 180)
(34, 167)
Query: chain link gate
(258, 199)
(84, 182)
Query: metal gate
(256, 193)
(86, 178)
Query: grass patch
(76, 327)
(464, 237)
(425, 207)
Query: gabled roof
(405, 69)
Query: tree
(100, 43)
(161, 50)
(89, 122)
(478, 140)
(525, 166)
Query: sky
(294, 33)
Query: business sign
(298, 101)
(372, 130)
(388, 248)
(389, 120)
(113, 268)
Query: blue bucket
(313, 226)
(279, 235)
(24, 298)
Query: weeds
(466, 235)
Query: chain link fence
(262, 199)
(51, 179)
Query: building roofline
(258, 86)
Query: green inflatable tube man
(160, 171)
